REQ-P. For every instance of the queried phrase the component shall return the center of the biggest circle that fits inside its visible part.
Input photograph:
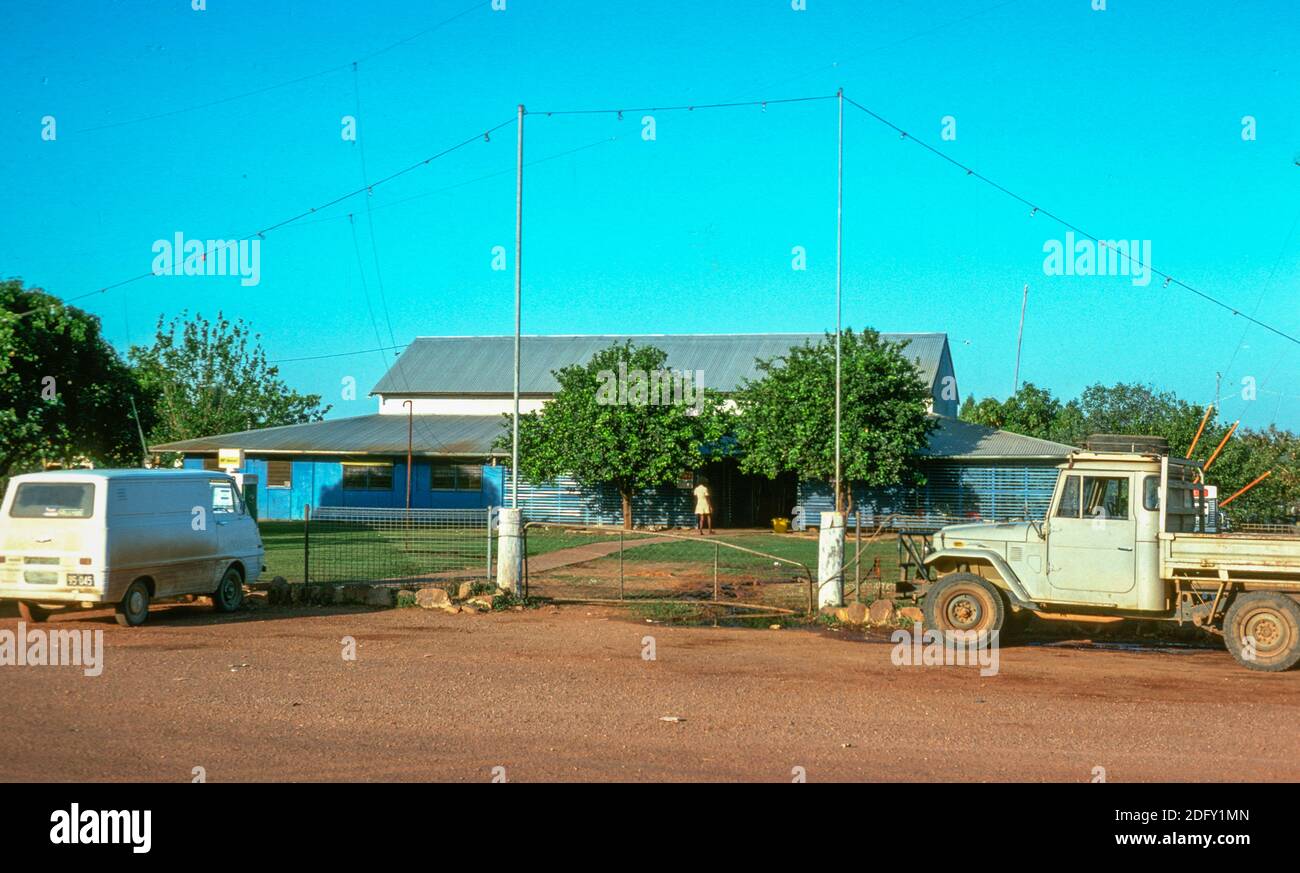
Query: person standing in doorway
(703, 506)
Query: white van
(125, 537)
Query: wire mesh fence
(398, 546)
(750, 570)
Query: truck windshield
(54, 500)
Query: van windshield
(54, 500)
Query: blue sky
(1127, 122)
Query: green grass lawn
(354, 553)
(791, 547)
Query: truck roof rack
(1137, 444)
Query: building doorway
(745, 500)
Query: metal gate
(749, 572)
(398, 546)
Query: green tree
(206, 378)
(607, 423)
(785, 418)
(1031, 411)
(65, 394)
(1136, 409)
(1131, 408)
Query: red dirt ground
(564, 694)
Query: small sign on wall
(230, 459)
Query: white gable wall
(458, 405)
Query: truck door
(1091, 537)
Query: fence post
(830, 560)
(620, 563)
(510, 551)
(489, 544)
(857, 558)
(716, 549)
(306, 543)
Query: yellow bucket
(780, 525)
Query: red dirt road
(566, 695)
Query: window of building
(279, 474)
(210, 463)
(456, 477)
(368, 476)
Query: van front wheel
(32, 612)
(134, 606)
(230, 593)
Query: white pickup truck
(1123, 537)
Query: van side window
(1105, 497)
(223, 497)
(1069, 507)
(1151, 493)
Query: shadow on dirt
(197, 614)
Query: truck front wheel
(964, 602)
(1262, 631)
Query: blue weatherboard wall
(318, 481)
(565, 502)
(953, 490)
(979, 492)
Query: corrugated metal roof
(473, 435)
(462, 365)
(962, 440)
(362, 435)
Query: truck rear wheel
(964, 602)
(1262, 631)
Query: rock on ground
(882, 612)
(911, 613)
(379, 596)
(432, 598)
(279, 591)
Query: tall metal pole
(1020, 335)
(519, 254)
(144, 449)
(410, 426)
(839, 274)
